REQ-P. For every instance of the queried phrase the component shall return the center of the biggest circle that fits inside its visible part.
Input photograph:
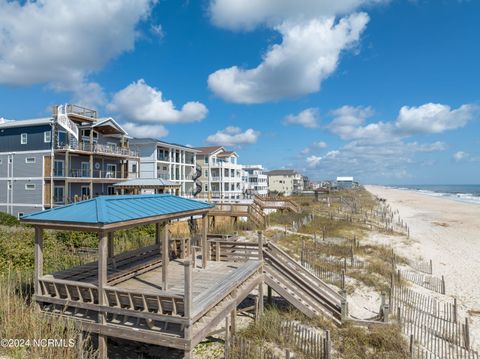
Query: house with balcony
(69, 156)
(255, 181)
(170, 162)
(221, 174)
(285, 181)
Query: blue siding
(10, 138)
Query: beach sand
(447, 232)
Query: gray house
(53, 161)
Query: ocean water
(464, 193)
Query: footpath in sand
(446, 231)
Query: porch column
(165, 257)
(205, 250)
(188, 304)
(158, 234)
(102, 282)
(38, 259)
(111, 248)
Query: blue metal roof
(112, 209)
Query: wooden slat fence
(311, 343)
(428, 339)
(327, 274)
(238, 347)
(350, 262)
(407, 297)
(421, 266)
(427, 281)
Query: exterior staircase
(301, 288)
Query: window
(134, 168)
(112, 146)
(85, 169)
(62, 138)
(206, 173)
(0, 161)
(23, 138)
(58, 168)
(30, 160)
(30, 186)
(20, 215)
(206, 188)
(206, 159)
(47, 136)
(110, 190)
(58, 194)
(111, 171)
(85, 192)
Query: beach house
(345, 182)
(255, 181)
(170, 162)
(60, 159)
(221, 174)
(285, 181)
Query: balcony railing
(85, 173)
(99, 148)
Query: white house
(286, 182)
(255, 181)
(221, 174)
(167, 161)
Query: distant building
(286, 182)
(255, 181)
(170, 162)
(345, 182)
(221, 175)
(69, 156)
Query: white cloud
(140, 102)
(246, 15)
(308, 54)
(460, 156)
(145, 131)
(307, 118)
(434, 118)
(233, 136)
(349, 123)
(320, 144)
(61, 42)
(313, 161)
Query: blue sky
(386, 91)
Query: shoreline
(467, 198)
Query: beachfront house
(255, 181)
(69, 156)
(345, 182)
(221, 175)
(286, 182)
(169, 162)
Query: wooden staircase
(299, 287)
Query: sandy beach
(446, 231)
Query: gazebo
(156, 294)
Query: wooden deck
(137, 307)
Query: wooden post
(158, 234)
(38, 259)
(187, 289)
(455, 308)
(233, 320)
(260, 245)
(443, 284)
(269, 295)
(102, 282)
(165, 257)
(183, 250)
(259, 309)
(431, 267)
(111, 248)
(227, 338)
(217, 251)
(204, 241)
(467, 334)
